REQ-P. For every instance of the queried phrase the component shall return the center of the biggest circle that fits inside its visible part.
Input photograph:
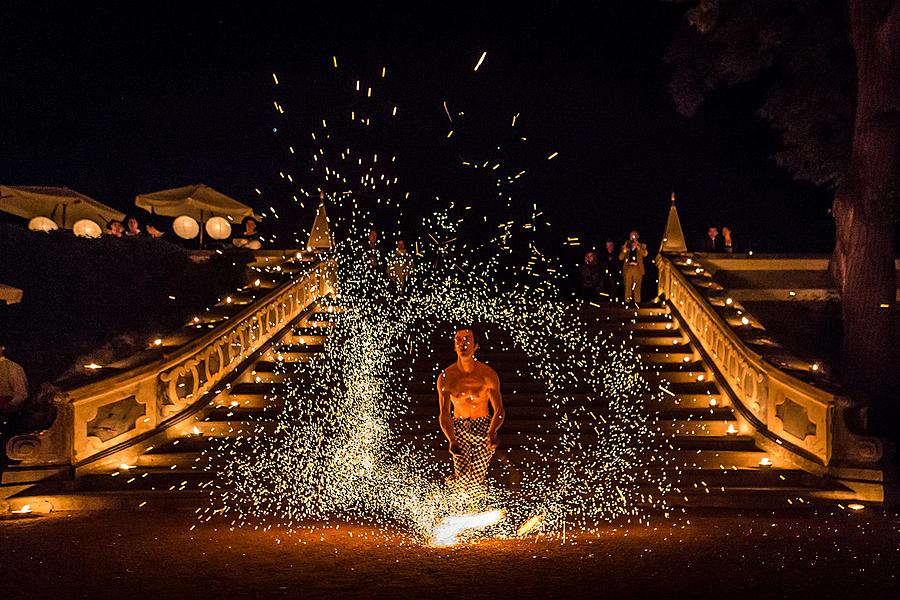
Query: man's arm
(497, 405)
(643, 250)
(446, 418)
(624, 251)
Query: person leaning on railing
(13, 391)
(249, 238)
(13, 384)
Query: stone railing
(804, 424)
(107, 415)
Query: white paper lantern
(185, 227)
(42, 224)
(86, 228)
(218, 228)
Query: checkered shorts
(471, 464)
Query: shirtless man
(469, 386)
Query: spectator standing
(712, 242)
(590, 276)
(632, 256)
(726, 236)
(610, 270)
(373, 251)
(399, 266)
(249, 238)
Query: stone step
(657, 341)
(669, 357)
(285, 366)
(687, 377)
(643, 326)
(436, 449)
(509, 373)
(620, 312)
(750, 497)
(196, 476)
(689, 429)
(316, 332)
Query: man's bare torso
(470, 393)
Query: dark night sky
(122, 98)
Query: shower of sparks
(355, 436)
(351, 444)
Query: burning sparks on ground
(448, 530)
(529, 525)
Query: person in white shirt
(13, 383)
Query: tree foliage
(798, 50)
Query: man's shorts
(471, 464)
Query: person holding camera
(632, 256)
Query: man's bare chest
(466, 386)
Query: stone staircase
(710, 461)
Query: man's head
(465, 342)
(132, 225)
(590, 258)
(116, 228)
(373, 236)
(401, 245)
(634, 235)
(726, 231)
(250, 225)
(712, 232)
(610, 246)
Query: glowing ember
(529, 525)
(448, 530)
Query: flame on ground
(448, 530)
(529, 525)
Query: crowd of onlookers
(713, 242)
(247, 237)
(617, 272)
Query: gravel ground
(125, 555)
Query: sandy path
(156, 555)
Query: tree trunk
(865, 207)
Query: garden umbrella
(198, 201)
(62, 205)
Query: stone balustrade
(103, 417)
(803, 423)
